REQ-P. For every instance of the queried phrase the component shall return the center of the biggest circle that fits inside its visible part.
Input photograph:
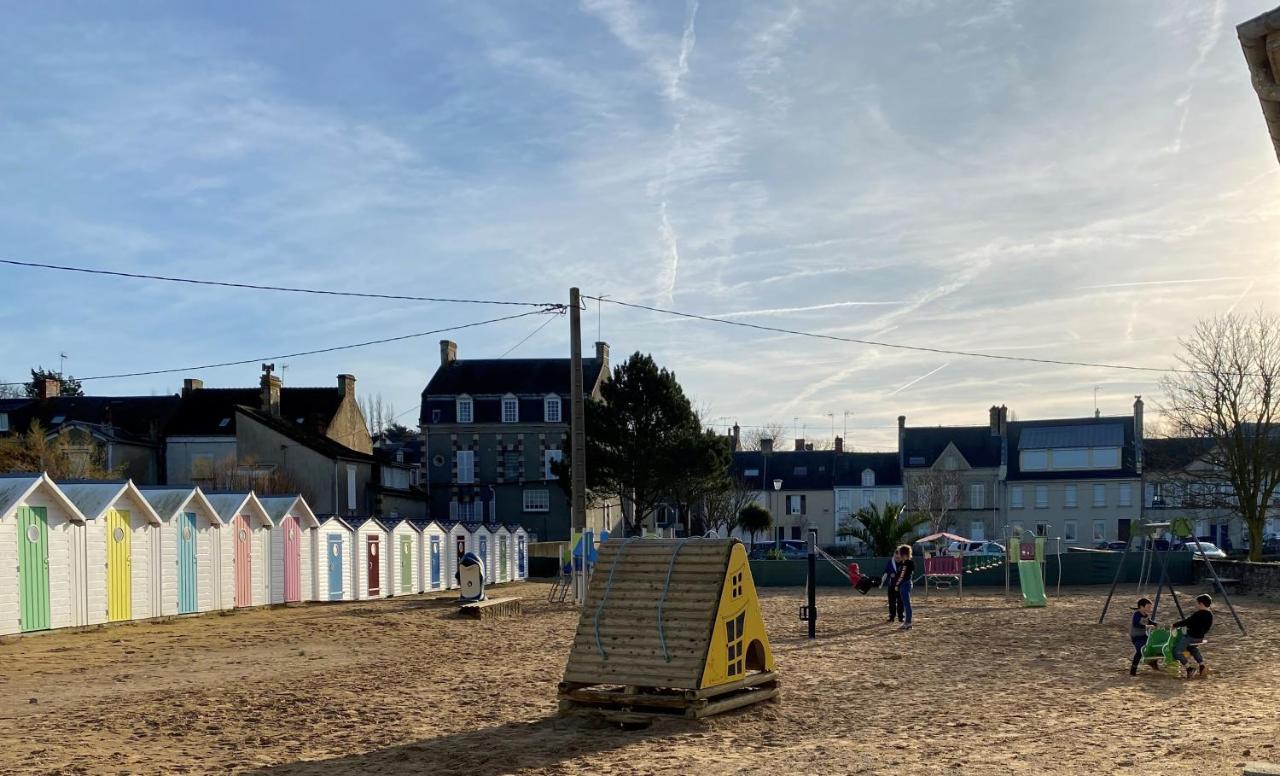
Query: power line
(894, 345)
(319, 351)
(255, 287)
(529, 336)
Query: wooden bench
(491, 608)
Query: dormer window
(4, 422)
(510, 409)
(466, 409)
(551, 409)
(868, 478)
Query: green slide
(1032, 584)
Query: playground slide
(1032, 584)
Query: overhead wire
(317, 351)
(260, 287)
(892, 345)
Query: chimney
(270, 391)
(191, 384)
(448, 352)
(737, 437)
(993, 416)
(800, 445)
(766, 445)
(347, 385)
(1004, 420)
(902, 433)
(1137, 433)
(602, 353)
(839, 444)
(48, 387)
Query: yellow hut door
(119, 579)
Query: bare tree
(935, 493)
(724, 501)
(1227, 391)
(263, 479)
(66, 455)
(11, 390)
(775, 431)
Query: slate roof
(1174, 453)
(1074, 430)
(212, 411)
(1265, 71)
(849, 468)
(921, 445)
(798, 470)
(528, 377)
(126, 418)
(303, 435)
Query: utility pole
(578, 440)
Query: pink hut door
(244, 561)
(292, 560)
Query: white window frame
(1069, 496)
(1015, 497)
(466, 462)
(1042, 491)
(1126, 495)
(1099, 530)
(549, 402)
(868, 478)
(1070, 531)
(540, 501)
(795, 505)
(547, 457)
(510, 409)
(980, 491)
(465, 409)
(1099, 494)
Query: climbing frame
(670, 627)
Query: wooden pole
(578, 439)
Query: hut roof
(278, 507)
(168, 502)
(15, 488)
(228, 505)
(93, 499)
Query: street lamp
(777, 486)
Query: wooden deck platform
(631, 704)
(491, 608)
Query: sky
(1077, 181)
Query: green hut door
(406, 564)
(33, 567)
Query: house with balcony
(493, 428)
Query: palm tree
(754, 519)
(885, 528)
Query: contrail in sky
(918, 379)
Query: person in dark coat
(890, 583)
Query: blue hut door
(520, 556)
(334, 553)
(484, 552)
(435, 562)
(187, 563)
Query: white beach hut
(482, 546)
(435, 560)
(122, 550)
(336, 542)
(460, 542)
(42, 555)
(369, 567)
(190, 555)
(520, 540)
(245, 549)
(502, 554)
(403, 557)
(294, 539)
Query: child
(906, 570)
(890, 583)
(1138, 631)
(1197, 627)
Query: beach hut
(122, 550)
(460, 543)
(435, 563)
(405, 576)
(482, 546)
(293, 548)
(245, 549)
(502, 556)
(520, 538)
(42, 556)
(369, 565)
(190, 535)
(336, 539)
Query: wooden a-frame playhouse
(670, 627)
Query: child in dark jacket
(890, 584)
(1197, 627)
(1138, 627)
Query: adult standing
(906, 570)
(890, 582)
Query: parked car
(975, 548)
(792, 549)
(1210, 550)
(1110, 545)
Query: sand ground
(401, 686)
